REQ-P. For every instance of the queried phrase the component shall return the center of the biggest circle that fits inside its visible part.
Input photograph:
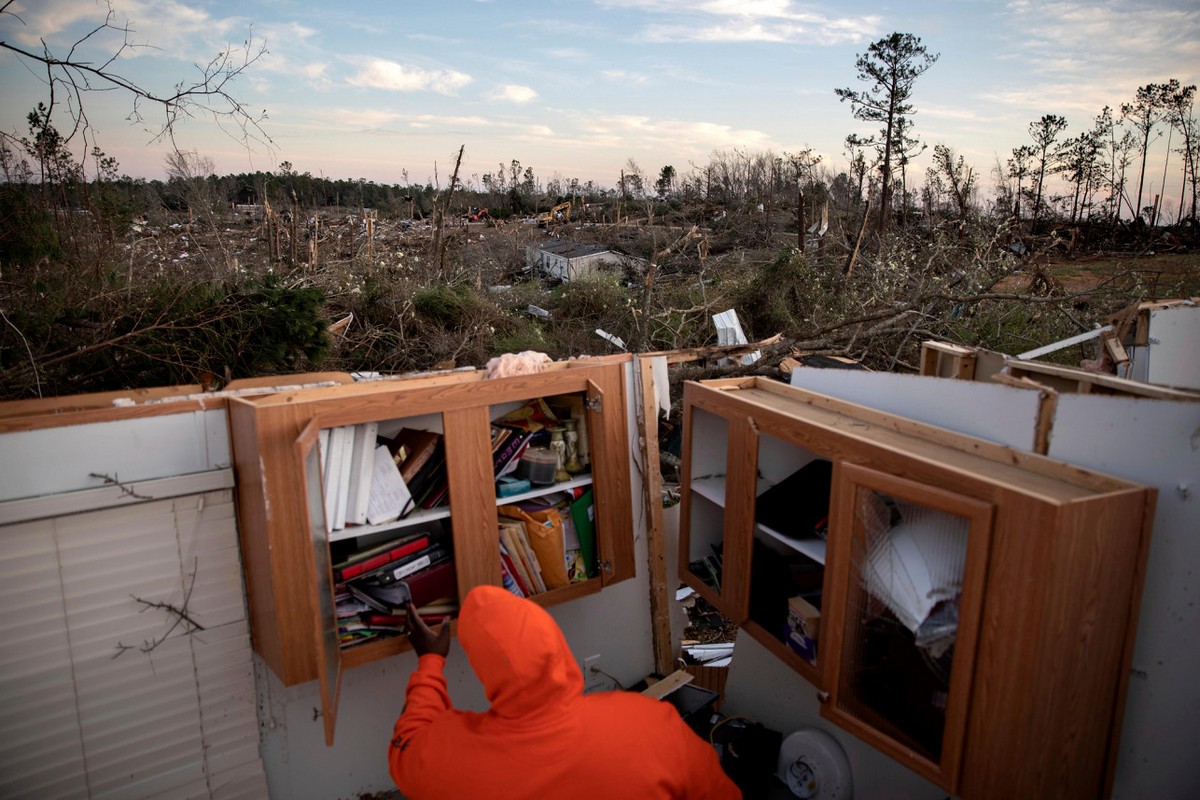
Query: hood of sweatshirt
(519, 654)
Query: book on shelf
(407, 565)
(512, 536)
(389, 494)
(411, 448)
(431, 478)
(432, 584)
(331, 463)
(544, 530)
(507, 575)
(506, 457)
(532, 416)
(343, 477)
(362, 465)
(520, 566)
(379, 556)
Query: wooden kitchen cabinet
(285, 540)
(973, 606)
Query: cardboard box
(803, 624)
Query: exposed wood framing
(945, 360)
(647, 431)
(1047, 403)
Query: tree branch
(208, 96)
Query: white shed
(564, 259)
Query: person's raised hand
(425, 639)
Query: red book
(511, 569)
(401, 550)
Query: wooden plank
(660, 598)
(1071, 379)
(737, 552)
(660, 689)
(609, 440)
(273, 529)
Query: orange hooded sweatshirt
(542, 737)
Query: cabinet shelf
(419, 517)
(425, 515)
(574, 483)
(811, 547)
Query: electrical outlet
(593, 679)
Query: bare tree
(70, 79)
(890, 67)
(1179, 102)
(1147, 110)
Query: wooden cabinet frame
(271, 433)
(1053, 566)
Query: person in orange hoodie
(541, 737)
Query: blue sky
(374, 89)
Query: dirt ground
(1160, 275)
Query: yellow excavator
(560, 213)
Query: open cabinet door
(612, 500)
(329, 659)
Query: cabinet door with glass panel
(902, 616)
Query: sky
(389, 90)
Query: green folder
(583, 516)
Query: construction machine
(560, 213)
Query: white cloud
(427, 120)
(1074, 58)
(513, 93)
(378, 73)
(355, 118)
(45, 19)
(1115, 44)
(621, 76)
(694, 137)
(773, 21)
(157, 27)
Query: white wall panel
(1155, 442)
(50, 461)
(1174, 357)
(994, 412)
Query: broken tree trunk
(858, 240)
(800, 227)
(439, 222)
